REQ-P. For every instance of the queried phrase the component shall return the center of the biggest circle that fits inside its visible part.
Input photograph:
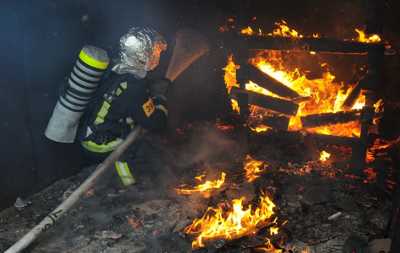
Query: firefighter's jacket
(125, 103)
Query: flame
(324, 156)
(204, 188)
(235, 105)
(247, 31)
(237, 221)
(379, 106)
(253, 168)
(322, 95)
(282, 29)
(363, 37)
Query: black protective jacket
(126, 101)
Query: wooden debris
(267, 82)
(324, 119)
(326, 45)
(268, 102)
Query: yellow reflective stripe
(102, 113)
(118, 92)
(91, 61)
(101, 148)
(124, 85)
(124, 173)
(162, 108)
(99, 121)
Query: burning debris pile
(316, 105)
(272, 199)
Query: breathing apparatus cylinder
(77, 93)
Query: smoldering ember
(220, 126)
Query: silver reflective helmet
(140, 51)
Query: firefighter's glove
(159, 88)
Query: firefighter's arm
(154, 113)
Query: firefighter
(127, 98)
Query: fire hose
(188, 48)
(51, 219)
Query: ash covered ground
(320, 205)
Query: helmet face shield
(140, 51)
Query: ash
(321, 206)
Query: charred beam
(323, 119)
(268, 82)
(277, 122)
(268, 102)
(334, 140)
(305, 44)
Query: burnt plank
(268, 82)
(324, 119)
(334, 140)
(268, 102)
(326, 45)
(277, 122)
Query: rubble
(319, 206)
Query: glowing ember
(380, 146)
(268, 247)
(261, 129)
(203, 188)
(372, 38)
(324, 156)
(253, 168)
(237, 221)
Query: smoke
(207, 145)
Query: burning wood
(284, 37)
(253, 168)
(315, 120)
(325, 45)
(230, 221)
(272, 103)
(324, 95)
(269, 83)
(204, 188)
(364, 38)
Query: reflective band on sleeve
(162, 108)
(124, 173)
(91, 61)
(101, 148)
(102, 113)
(124, 85)
(118, 92)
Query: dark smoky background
(40, 41)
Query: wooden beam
(275, 104)
(268, 82)
(326, 45)
(324, 119)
